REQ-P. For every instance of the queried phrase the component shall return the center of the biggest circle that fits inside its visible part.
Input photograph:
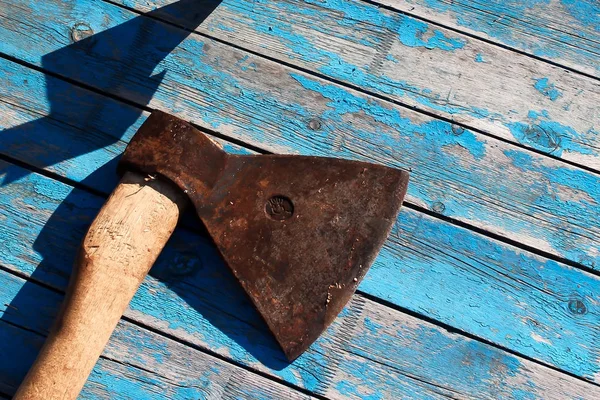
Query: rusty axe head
(299, 233)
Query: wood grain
(471, 273)
(137, 364)
(565, 32)
(456, 172)
(557, 304)
(537, 307)
(423, 66)
(116, 254)
(354, 359)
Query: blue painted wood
(370, 351)
(84, 149)
(565, 31)
(92, 151)
(428, 266)
(137, 364)
(456, 172)
(459, 78)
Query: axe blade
(298, 232)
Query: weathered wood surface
(466, 275)
(137, 364)
(566, 32)
(116, 254)
(419, 64)
(548, 311)
(479, 180)
(371, 350)
(76, 141)
(533, 306)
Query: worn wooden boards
(448, 273)
(76, 156)
(421, 65)
(564, 31)
(370, 350)
(137, 364)
(117, 252)
(522, 302)
(456, 172)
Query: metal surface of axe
(299, 234)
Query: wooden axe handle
(118, 251)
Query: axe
(298, 233)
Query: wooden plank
(537, 307)
(370, 351)
(424, 66)
(77, 150)
(566, 32)
(136, 364)
(458, 173)
(165, 369)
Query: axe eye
(279, 208)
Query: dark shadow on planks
(185, 272)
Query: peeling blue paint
(587, 12)
(547, 89)
(453, 354)
(355, 12)
(342, 102)
(581, 195)
(522, 24)
(372, 326)
(224, 28)
(480, 112)
(535, 114)
(463, 281)
(413, 31)
(405, 388)
(542, 133)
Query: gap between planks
(446, 13)
(536, 361)
(542, 236)
(371, 319)
(158, 349)
(527, 131)
(122, 145)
